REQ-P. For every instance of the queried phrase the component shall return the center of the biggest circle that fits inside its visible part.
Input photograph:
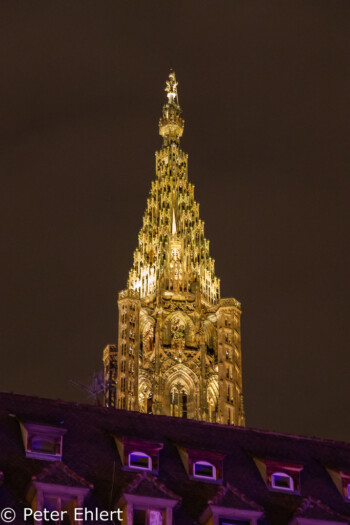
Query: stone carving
(177, 336)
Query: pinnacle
(171, 88)
(171, 125)
(173, 253)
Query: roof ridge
(132, 414)
(142, 476)
(59, 465)
(224, 489)
(310, 502)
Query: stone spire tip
(171, 88)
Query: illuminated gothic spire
(172, 252)
(179, 343)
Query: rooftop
(90, 457)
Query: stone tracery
(180, 339)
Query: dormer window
(42, 441)
(138, 453)
(58, 490)
(229, 506)
(341, 479)
(280, 475)
(202, 465)
(140, 460)
(282, 481)
(147, 501)
(204, 470)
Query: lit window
(39, 444)
(45, 445)
(148, 517)
(282, 481)
(203, 469)
(59, 507)
(42, 441)
(140, 460)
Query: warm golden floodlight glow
(179, 350)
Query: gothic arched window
(184, 403)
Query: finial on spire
(171, 88)
(171, 125)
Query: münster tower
(179, 342)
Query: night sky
(264, 87)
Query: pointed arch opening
(181, 389)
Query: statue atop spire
(171, 125)
(171, 88)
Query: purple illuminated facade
(88, 464)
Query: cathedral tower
(179, 343)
